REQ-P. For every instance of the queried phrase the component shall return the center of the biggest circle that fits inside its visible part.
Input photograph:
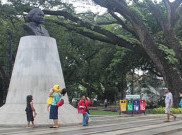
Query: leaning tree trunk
(170, 74)
(174, 82)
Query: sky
(87, 5)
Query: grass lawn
(100, 112)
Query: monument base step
(14, 114)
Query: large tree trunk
(123, 86)
(174, 83)
(170, 73)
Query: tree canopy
(130, 34)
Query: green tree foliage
(91, 64)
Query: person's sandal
(28, 127)
(54, 127)
(167, 121)
(175, 117)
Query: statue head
(35, 15)
(33, 20)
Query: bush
(161, 110)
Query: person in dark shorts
(54, 108)
(29, 111)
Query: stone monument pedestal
(36, 70)
(14, 114)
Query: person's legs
(54, 116)
(168, 117)
(173, 116)
(33, 125)
(55, 123)
(169, 114)
(28, 124)
(167, 111)
(84, 119)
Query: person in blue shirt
(180, 103)
(54, 108)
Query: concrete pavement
(107, 125)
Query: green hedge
(161, 110)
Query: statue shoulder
(45, 32)
(27, 25)
(28, 29)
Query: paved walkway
(115, 125)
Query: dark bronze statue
(33, 20)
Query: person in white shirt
(169, 103)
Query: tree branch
(156, 12)
(82, 32)
(107, 23)
(172, 41)
(170, 13)
(101, 37)
(108, 36)
(123, 24)
(141, 30)
(120, 41)
(174, 6)
(79, 64)
(167, 26)
(176, 3)
(171, 9)
(151, 70)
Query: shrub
(161, 110)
